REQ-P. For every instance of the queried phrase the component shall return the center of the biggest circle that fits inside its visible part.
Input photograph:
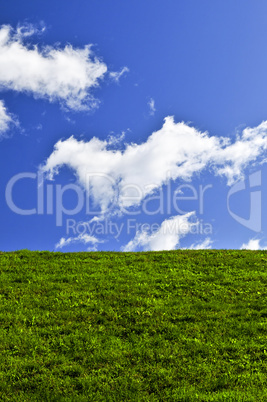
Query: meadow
(156, 326)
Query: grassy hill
(165, 326)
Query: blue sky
(155, 101)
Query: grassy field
(165, 326)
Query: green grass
(166, 326)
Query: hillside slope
(164, 326)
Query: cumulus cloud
(151, 105)
(167, 237)
(6, 119)
(66, 75)
(253, 244)
(117, 75)
(176, 151)
(82, 238)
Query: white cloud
(82, 238)
(64, 74)
(253, 244)
(6, 119)
(117, 75)
(167, 237)
(176, 151)
(116, 139)
(27, 30)
(206, 244)
(151, 105)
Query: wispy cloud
(253, 244)
(167, 237)
(151, 105)
(115, 139)
(66, 75)
(206, 244)
(82, 238)
(6, 120)
(176, 151)
(117, 75)
(27, 29)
